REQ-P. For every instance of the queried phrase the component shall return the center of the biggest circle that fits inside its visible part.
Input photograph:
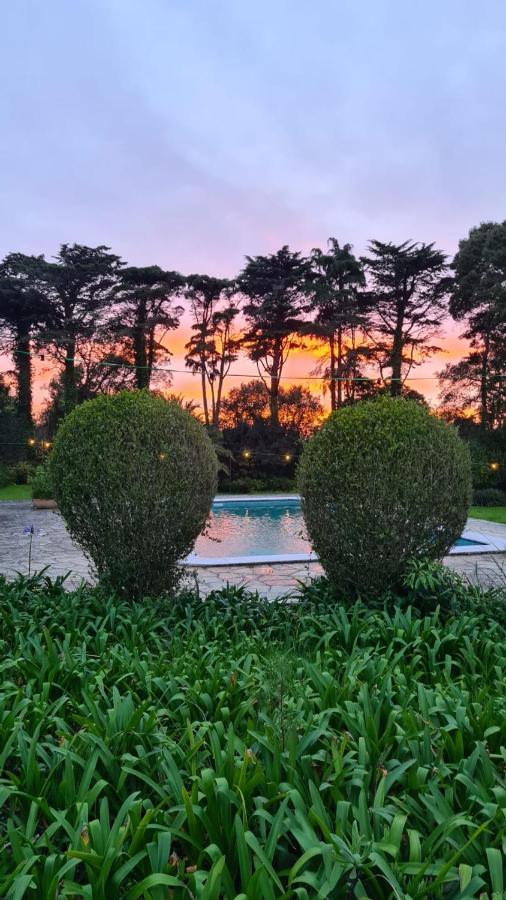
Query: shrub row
(382, 483)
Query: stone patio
(52, 547)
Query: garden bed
(242, 748)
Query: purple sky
(190, 133)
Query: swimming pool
(266, 529)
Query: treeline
(107, 325)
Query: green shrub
(382, 482)
(42, 486)
(489, 497)
(257, 485)
(134, 477)
(22, 472)
(280, 483)
(243, 486)
(5, 476)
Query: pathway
(53, 547)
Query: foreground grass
(236, 748)
(491, 513)
(16, 492)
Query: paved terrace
(53, 547)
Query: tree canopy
(408, 286)
(274, 288)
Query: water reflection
(256, 529)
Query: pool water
(241, 528)
(254, 528)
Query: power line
(326, 378)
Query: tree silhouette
(274, 287)
(338, 311)
(146, 310)
(407, 287)
(23, 310)
(479, 299)
(213, 346)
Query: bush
(256, 485)
(42, 486)
(489, 497)
(5, 476)
(243, 486)
(22, 472)
(382, 482)
(134, 477)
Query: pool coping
(488, 543)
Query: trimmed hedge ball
(134, 478)
(382, 482)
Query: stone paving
(52, 547)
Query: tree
(145, 314)
(339, 311)
(407, 288)
(23, 309)
(300, 410)
(12, 428)
(213, 347)
(274, 287)
(79, 287)
(465, 388)
(479, 299)
(99, 371)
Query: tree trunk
(23, 363)
(142, 374)
(219, 392)
(396, 357)
(69, 376)
(339, 366)
(332, 373)
(275, 373)
(203, 381)
(484, 384)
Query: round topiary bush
(382, 482)
(134, 477)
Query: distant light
(46, 445)
(288, 457)
(163, 456)
(31, 442)
(494, 466)
(246, 454)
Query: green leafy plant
(134, 477)
(142, 752)
(5, 476)
(430, 585)
(42, 485)
(489, 497)
(382, 482)
(21, 472)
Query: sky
(189, 133)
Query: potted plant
(42, 489)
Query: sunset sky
(189, 133)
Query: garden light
(287, 457)
(246, 454)
(494, 466)
(31, 442)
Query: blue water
(259, 528)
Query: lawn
(243, 749)
(16, 492)
(491, 513)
